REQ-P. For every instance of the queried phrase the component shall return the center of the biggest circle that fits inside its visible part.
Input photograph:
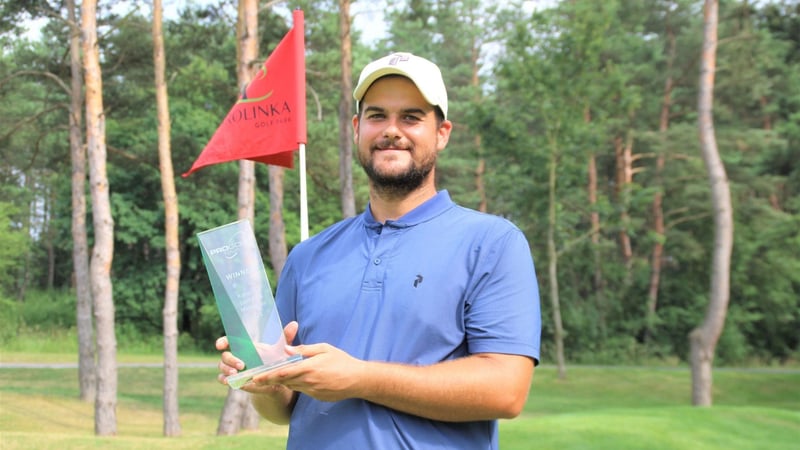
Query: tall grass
(34, 340)
(28, 331)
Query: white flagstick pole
(303, 195)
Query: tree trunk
(277, 227)
(172, 426)
(49, 228)
(230, 420)
(480, 184)
(480, 170)
(237, 410)
(248, 55)
(247, 50)
(594, 220)
(767, 120)
(87, 379)
(657, 207)
(24, 278)
(552, 256)
(105, 416)
(250, 417)
(346, 113)
(623, 152)
(703, 339)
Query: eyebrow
(403, 111)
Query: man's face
(397, 135)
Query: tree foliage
(539, 71)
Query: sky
(367, 15)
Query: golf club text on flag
(268, 122)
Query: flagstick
(303, 195)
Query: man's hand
(230, 365)
(326, 373)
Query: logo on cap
(398, 57)
(425, 75)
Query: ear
(443, 135)
(355, 128)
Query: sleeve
(502, 307)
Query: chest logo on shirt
(418, 280)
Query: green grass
(679, 427)
(637, 407)
(39, 409)
(594, 407)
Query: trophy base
(240, 379)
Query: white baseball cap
(425, 74)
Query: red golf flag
(268, 122)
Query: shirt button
(376, 261)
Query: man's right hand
(231, 365)
(273, 402)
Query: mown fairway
(597, 408)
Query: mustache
(385, 143)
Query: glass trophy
(244, 300)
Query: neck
(387, 206)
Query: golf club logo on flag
(268, 123)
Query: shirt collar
(432, 207)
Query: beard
(397, 185)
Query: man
(418, 320)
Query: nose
(392, 131)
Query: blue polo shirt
(440, 283)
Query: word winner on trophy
(244, 300)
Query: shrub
(47, 310)
(9, 319)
